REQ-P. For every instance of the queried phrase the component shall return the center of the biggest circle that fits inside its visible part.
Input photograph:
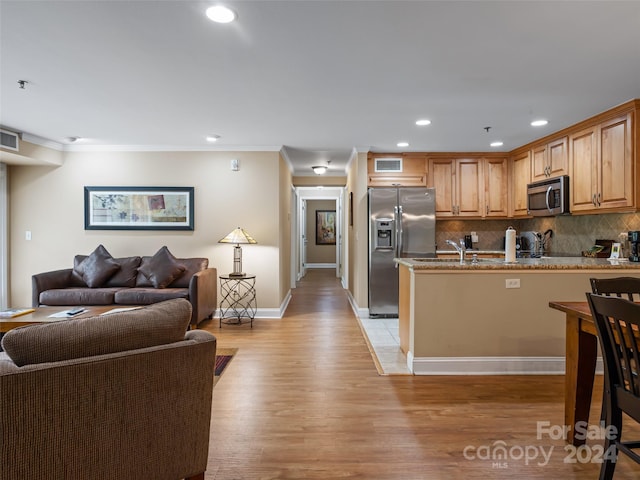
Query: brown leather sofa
(123, 395)
(100, 279)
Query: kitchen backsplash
(571, 233)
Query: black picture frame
(138, 208)
(325, 227)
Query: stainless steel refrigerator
(402, 223)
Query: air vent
(388, 165)
(9, 140)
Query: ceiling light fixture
(212, 138)
(539, 123)
(496, 144)
(72, 139)
(221, 14)
(422, 123)
(403, 144)
(319, 169)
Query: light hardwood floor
(302, 399)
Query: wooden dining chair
(622, 287)
(617, 323)
(625, 287)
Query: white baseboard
(269, 312)
(359, 312)
(489, 365)
(320, 265)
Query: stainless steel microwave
(548, 197)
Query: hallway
(302, 399)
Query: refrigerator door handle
(399, 246)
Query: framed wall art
(325, 227)
(138, 208)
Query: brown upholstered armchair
(124, 395)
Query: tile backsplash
(571, 233)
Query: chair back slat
(622, 287)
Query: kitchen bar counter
(543, 263)
(492, 317)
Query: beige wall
(286, 210)
(318, 253)
(48, 201)
(358, 232)
(312, 181)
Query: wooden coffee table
(41, 315)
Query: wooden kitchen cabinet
(550, 160)
(413, 170)
(496, 187)
(601, 167)
(459, 184)
(520, 178)
(583, 146)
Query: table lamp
(238, 236)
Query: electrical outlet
(27, 235)
(512, 283)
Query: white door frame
(317, 193)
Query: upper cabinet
(602, 167)
(459, 184)
(520, 178)
(470, 187)
(496, 187)
(550, 159)
(396, 170)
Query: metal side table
(238, 299)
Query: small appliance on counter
(536, 244)
(634, 246)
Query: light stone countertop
(543, 263)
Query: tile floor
(382, 337)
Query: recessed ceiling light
(539, 123)
(496, 144)
(424, 122)
(221, 14)
(403, 144)
(212, 138)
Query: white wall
(48, 201)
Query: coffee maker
(634, 246)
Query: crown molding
(43, 142)
(171, 148)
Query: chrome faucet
(459, 248)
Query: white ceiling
(320, 78)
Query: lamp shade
(238, 236)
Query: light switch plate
(235, 164)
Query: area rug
(223, 357)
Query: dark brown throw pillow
(97, 268)
(162, 269)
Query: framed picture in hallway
(325, 227)
(138, 208)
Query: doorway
(313, 246)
